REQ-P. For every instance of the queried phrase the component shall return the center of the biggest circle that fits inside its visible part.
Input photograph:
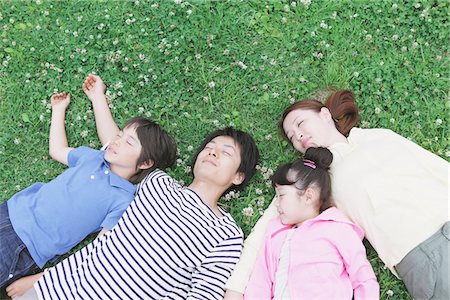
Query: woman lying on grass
(391, 187)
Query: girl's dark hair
(248, 152)
(157, 146)
(340, 103)
(311, 170)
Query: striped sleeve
(208, 280)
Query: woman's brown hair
(340, 103)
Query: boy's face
(218, 163)
(124, 150)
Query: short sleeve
(113, 216)
(76, 154)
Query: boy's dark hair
(311, 170)
(248, 151)
(157, 146)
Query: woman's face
(307, 128)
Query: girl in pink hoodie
(312, 250)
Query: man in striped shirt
(172, 242)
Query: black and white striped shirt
(168, 245)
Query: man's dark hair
(248, 151)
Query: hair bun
(322, 157)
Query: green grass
(197, 66)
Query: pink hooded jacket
(327, 261)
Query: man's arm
(238, 281)
(58, 146)
(94, 88)
(208, 280)
(22, 285)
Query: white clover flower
(189, 11)
(305, 2)
(392, 120)
(226, 52)
(438, 122)
(415, 45)
(211, 84)
(268, 137)
(293, 4)
(417, 113)
(313, 34)
(118, 85)
(394, 6)
(369, 37)
(187, 170)
(390, 293)
(417, 5)
(259, 192)
(17, 187)
(198, 56)
(323, 24)
(248, 212)
(84, 133)
(17, 141)
(155, 5)
(377, 110)
(447, 153)
(190, 148)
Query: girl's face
(307, 128)
(292, 205)
(124, 150)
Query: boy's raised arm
(58, 147)
(94, 88)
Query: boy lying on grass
(46, 220)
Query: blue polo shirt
(50, 218)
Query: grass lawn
(197, 66)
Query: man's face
(218, 163)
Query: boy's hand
(94, 88)
(60, 101)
